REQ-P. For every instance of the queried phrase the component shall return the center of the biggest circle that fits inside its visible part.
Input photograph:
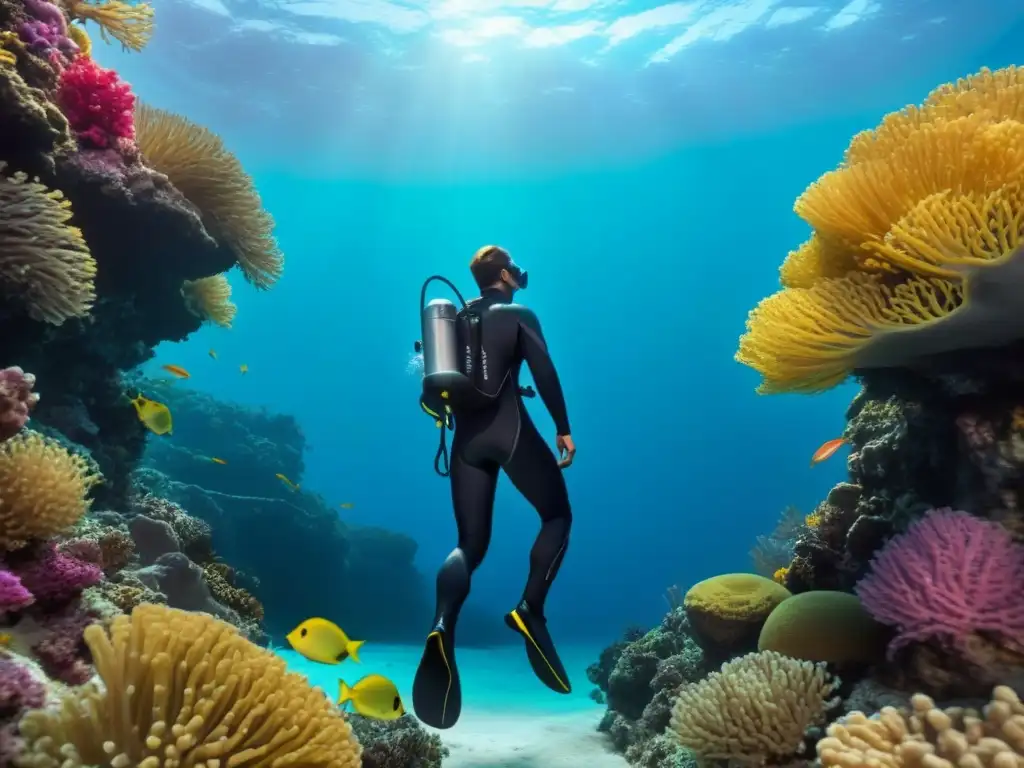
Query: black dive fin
(436, 691)
(540, 650)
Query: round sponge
(729, 609)
(823, 626)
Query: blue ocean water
(643, 168)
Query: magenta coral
(48, 31)
(97, 103)
(16, 400)
(949, 576)
(19, 689)
(53, 576)
(13, 595)
(62, 651)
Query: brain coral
(823, 626)
(917, 244)
(43, 489)
(730, 608)
(183, 689)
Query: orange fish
(215, 460)
(346, 505)
(177, 370)
(827, 449)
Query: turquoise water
(495, 680)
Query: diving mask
(520, 275)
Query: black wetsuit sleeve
(535, 352)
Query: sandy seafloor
(509, 719)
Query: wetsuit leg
(534, 470)
(437, 693)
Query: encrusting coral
(184, 689)
(211, 177)
(916, 247)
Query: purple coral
(53, 576)
(949, 576)
(19, 689)
(13, 595)
(47, 31)
(62, 651)
(16, 400)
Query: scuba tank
(445, 371)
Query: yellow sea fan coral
(186, 690)
(859, 203)
(43, 489)
(944, 233)
(129, 24)
(929, 737)
(818, 258)
(44, 262)
(995, 95)
(209, 298)
(201, 167)
(755, 710)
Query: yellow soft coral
(43, 489)
(755, 710)
(131, 25)
(918, 244)
(196, 161)
(209, 298)
(81, 38)
(185, 690)
(929, 737)
(45, 263)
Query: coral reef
(402, 743)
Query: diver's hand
(566, 449)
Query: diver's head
(492, 267)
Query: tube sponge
(43, 489)
(44, 262)
(185, 689)
(209, 298)
(204, 171)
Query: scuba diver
(472, 361)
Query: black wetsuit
(500, 436)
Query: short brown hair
(487, 264)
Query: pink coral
(949, 576)
(16, 400)
(97, 103)
(62, 651)
(53, 576)
(18, 689)
(13, 595)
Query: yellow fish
(215, 460)
(286, 481)
(243, 368)
(177, 370)
(213, 353)
(324, 641)
(346, 505)
(6, 639)
(374, 696)
(156, 416)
